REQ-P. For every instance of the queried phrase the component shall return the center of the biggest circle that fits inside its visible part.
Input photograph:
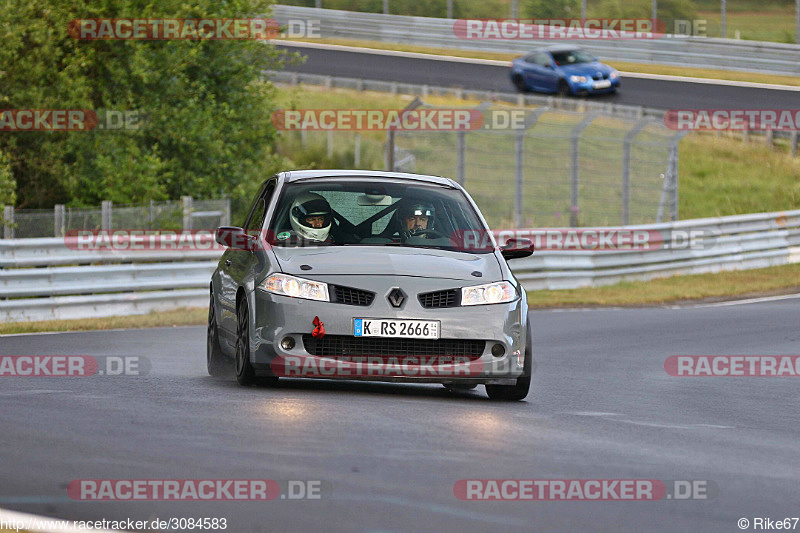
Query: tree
(205, 115)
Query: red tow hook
(319, 330)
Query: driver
(416, 217)
(310, 216)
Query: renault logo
(396, 297)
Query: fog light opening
(498, 350)
(287, 343)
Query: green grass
(774, 23)
(718, 175)
(193, 316)
(722, 286)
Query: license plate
(602, 84)
(401, 329)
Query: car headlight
(293, 287)
(491, 293)
(577, 79)
(614, 75)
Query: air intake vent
(344, 345)
(349, 296)
(439, 299)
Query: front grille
(345, 345)
(438, 299)
(350, 296)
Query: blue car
(564, 70)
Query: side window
(543, 59)
(531, 58)
(257, 218)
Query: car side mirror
(516, 248)
(234, 238)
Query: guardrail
(106, 283)
(727, 54)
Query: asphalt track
(659, 94)
(602, 407)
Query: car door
(548, 77)
(532, 72)
(235, 265)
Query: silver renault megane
(366, 275)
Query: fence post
(461, 155)
(574, 164)
(152, 215)
(106, 221)
(8, 222)
(794, 143)
(187, 212)
(303, 137)
(388, 155)
(626, 168)
(449, 9)
(59, 220)
(770, 138)
(519, 152)
(329, 144)
(357, 150)
(226, 216)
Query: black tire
(459, 387)
(216, 362)
(245, 374)
(519, 83)
(518, 391)
(563, 89)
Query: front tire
(245, 374)
(519, 83)
(518, 391)
(216, 362)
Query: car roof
(558, 48)
(296, 175)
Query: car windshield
(572, 57)
(377, 212)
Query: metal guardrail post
(106, 219)
(59, 220)
(461, 152)
(626, 168)
(186, 201)
(8, 222)
(574, 165)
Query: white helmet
(310, 205)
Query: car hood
(586, 69)
(388, 261)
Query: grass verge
(193, 316)
(782, 279)
(641, 68)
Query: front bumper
(588, 87)
(276, 317)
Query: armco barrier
(728, 54)
(42, 279)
